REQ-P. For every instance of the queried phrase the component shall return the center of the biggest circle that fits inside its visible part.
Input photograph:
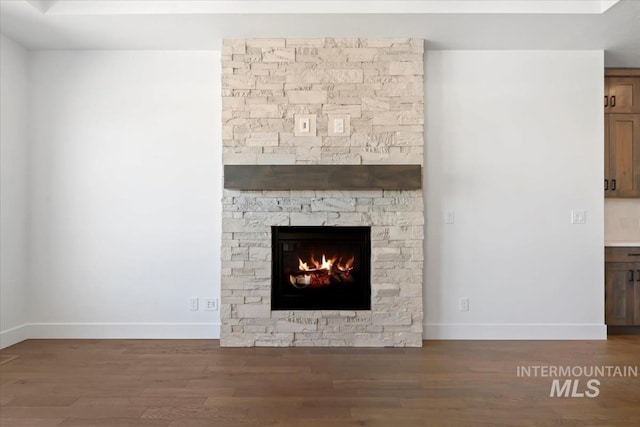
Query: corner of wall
(15, 335)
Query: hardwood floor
(179, 383)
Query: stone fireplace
(314, 123)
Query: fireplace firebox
(321, 268)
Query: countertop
(619, 243)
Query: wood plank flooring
(180, 383)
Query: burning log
(303, 279)
(313, 280)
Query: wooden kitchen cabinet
(622, 133)
(622, 92)
(622, 155)
(622, 286)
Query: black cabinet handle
(613, 101)
(606, 100)
(606, 184)
(630, 275)
(613, 185)
(638, 275)
(633, 254)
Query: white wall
(13, 191)
(126, 189)
(514, 143)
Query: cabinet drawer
(622, 254)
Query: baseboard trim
(514, 331)
(124, 330)
(432, 331)
(14, 335)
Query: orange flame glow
(326, 264)
(347, 266)
(303, 266)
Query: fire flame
(347, 266)
(328, 271)
(303, 266)
(326, 264)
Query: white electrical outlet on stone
(338, 126)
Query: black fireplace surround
(321, 268)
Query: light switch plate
(578, 216)
(304, 124)
(339, 125)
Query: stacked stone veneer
(379, 84)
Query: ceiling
(613, 26)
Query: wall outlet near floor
(193, 304)
(211, 304)
(464, 304)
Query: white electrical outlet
(211, 304)
(193, 304)
(464, 304)
(450, 217)
(339, 125)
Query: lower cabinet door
(622, 295)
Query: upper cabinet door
(622, 95)
(608, 170)
(622, 161)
